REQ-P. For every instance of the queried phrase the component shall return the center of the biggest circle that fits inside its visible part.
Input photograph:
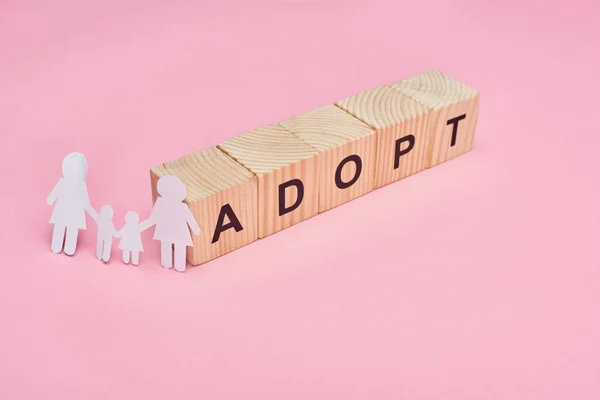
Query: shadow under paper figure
(71, 201)
(173, 220)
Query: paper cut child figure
(131, 238)
(106, 231)
(71, 201)
(172, 218)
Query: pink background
(477, 279)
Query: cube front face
(453, 130)
(346, 172)
(223, 197)
(287, 196)
(228, 220)
(453, 117)
(287, 171)
(402, 134)
(347, 149)
(410, 136)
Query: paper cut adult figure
(172, 218)
(106, 231)
(71, 201)
(131, 238)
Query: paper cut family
(170, 216)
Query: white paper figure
(71, 201)
(172, 218)
(131, 238)
(106, 231)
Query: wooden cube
(287, 172)
(401, 126)
(346, 149)
(223, 197)
(454, 112)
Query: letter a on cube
(346, 147)
(287, 172)
(401, 126)
(223, 198)
(454, 107)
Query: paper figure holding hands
(131, 238)
(173, 220)
(71, 201)
(106, 231)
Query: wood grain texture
(277, 156)
(337, 135)
(393, 116)
(448, 98)
(213, 180)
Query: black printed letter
(411, 143)
(454, 123)
(338, 172)
(234, 222)
(299, 186)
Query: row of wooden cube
(266, 180)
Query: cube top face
(267, 149)
(205, 173)
(382, 107)
(435, 90)
(327, 127)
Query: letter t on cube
(287, 172)
(453, 116)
